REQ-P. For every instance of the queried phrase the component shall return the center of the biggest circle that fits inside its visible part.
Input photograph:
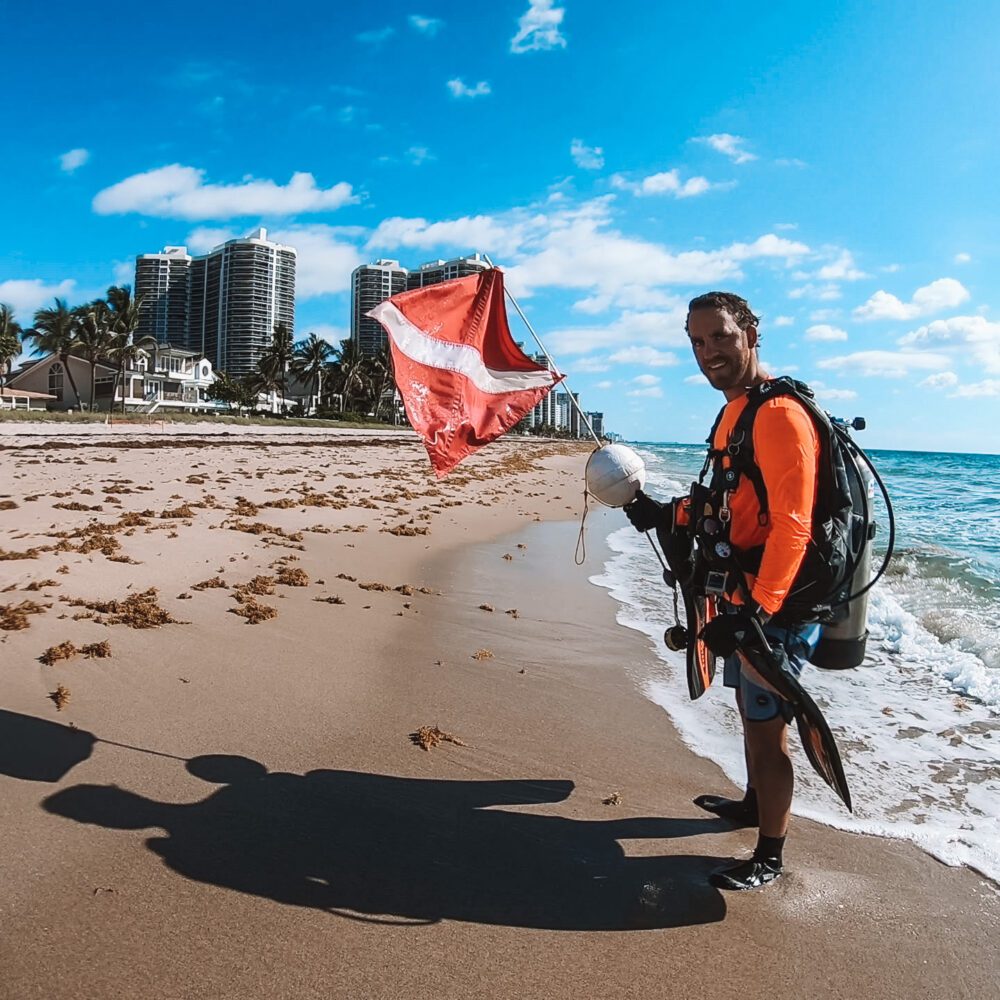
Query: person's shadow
(36, 750)
(391, 849)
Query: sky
(835, 163)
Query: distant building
(223, 305)
(371, 284)
(435, 271)
(597, 422)
(374, 283)
(163, 287)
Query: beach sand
(225, 809)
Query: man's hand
(725, 632)
(645, 513)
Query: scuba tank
(842, 642)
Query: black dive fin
(817, 740)
(698, 610)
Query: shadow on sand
(388, 849)
(404, 850)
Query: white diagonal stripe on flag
(459, 358)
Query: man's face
(724, 352)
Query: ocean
(918, 723)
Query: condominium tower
(162, 288)
(374, 283)
(232, 299)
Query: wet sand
(226, 809)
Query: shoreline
(255, 803)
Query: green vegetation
(346, 387)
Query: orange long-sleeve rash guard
(786, 450)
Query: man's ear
(752, 337)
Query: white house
(166, 378)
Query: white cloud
(653, 392)
(825, 332)
(793, 161)
(698, 379)
(418, 155)
(962, 258)
(24, 296)
(978, 334)
(825, 293)
(469, 233)
(589, 365)
(888, 364)
(783, 226)
(728, 145)
(890, 268)
(666, 182)
(460, 89)
(823, 315)
(942, 380)
(425, 25)
(178, 192)
(324, 260)
(945, 293)
(646, 380)
(586, 157)
(605, 384)
(630, 331)
(783, 321)
(73, 160)
(124, 272)
(645, 355)
(325, 331)
(376, 36)
(841, 269)
(538, 28)
(824, 393)
(988, 387)
(577, 247)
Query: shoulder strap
(713, 453)
(740, 449)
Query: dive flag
(463, 380)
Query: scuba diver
(755, 556)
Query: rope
(581, 540)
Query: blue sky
(834, 163)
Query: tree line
(341, 379)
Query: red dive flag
(463, 380)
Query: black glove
(725, 632)
(645, 513)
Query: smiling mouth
(716, 366)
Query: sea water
(918, 723)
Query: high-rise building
(370, 285)
(162, 287)
(239, 292)
(374, 283)
(444, 270)
(596, 418)
(233, 297)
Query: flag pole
(548, 357)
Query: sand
(228, 809)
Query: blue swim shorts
(759, 704)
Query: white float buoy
(614, 474)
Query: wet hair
(733, 304)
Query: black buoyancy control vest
(841, 515)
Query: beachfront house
(165, 378)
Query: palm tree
(380, 366)
(310, 359)
(93, 339)
(126, 350)
(54, 332)
(352, 379)
(274, 364)
(10, 340)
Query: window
(56, 381)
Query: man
(723, 334)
